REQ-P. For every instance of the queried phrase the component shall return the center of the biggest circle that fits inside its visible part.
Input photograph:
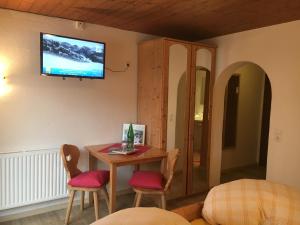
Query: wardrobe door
(199, 124)
(178, 79)
(150, 90)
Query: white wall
(250, 101)
(277, 50)
(45, 112)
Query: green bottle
(130, 137)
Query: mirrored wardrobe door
(178, 110)
(198, 156)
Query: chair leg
(163, 201)
(138, 199)
(71, 198)
(105, 195)
(135, 198)
(82, 201)
(158, 201)
(96, 204)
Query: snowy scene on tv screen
(66, 56)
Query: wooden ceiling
(183, 19)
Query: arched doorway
(247, 103)
(218, 118)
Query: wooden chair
(90, 181)
(155, 183)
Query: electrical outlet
(278, 135)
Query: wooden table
(113, 161)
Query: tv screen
(71, 57)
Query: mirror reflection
(200, 143)
(177, 105)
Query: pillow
(147, 179)
(142, 216)
(252, 202)
(90, 179)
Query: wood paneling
(188, 20)
(150, 84)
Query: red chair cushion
(90, 179)
(147, 179)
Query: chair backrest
(70, 156)
(170, 167)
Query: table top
(153, 154)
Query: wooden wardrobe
(175, 81)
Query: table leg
(92, 166)
(137, 167)
(112, 188)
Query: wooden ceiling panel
(3, 3)
(25, 5)
(13, 4)
(184, 19)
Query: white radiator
(31, 177)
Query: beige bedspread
(142, 216)
(252, 202)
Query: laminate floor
(250, 172)
(88, 216)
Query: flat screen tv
(71, 57)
